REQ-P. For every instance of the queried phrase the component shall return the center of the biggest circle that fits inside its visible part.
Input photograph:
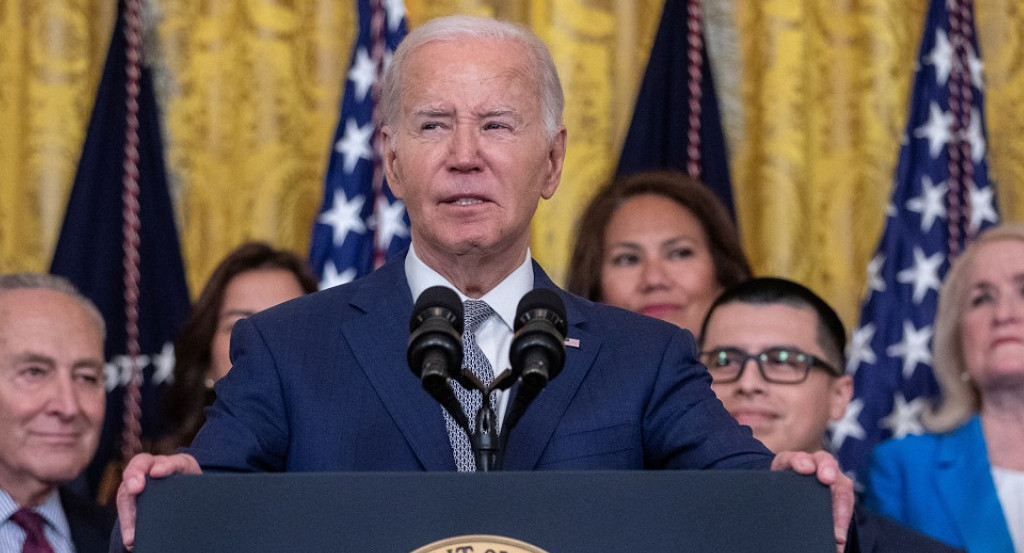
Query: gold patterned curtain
(814, 96)
(51, 57)
(823, 95)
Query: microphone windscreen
(545, 300)
(432, 302)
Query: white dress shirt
(495, 335)
(1010, 489)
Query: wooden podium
(552, 512)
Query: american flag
(941, 199)
(360, 222)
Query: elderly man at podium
(473, 139)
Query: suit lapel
(530, 437)
(965, 485)
(378, 334)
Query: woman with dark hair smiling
(658, 243)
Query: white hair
(456, 26)
(42, 281)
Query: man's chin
(59, 468)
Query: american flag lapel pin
(572, 343)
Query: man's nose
(751, 381)
(64, 399)
(464, 148)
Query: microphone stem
(484, 437)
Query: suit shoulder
(382, 285)
(601, 316)
(90, 523)
(85, 509)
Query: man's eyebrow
(32, 357)
(499, 112)
(42, 359)
(432, 111)
(89, 363)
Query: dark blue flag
(90, 250)
(360, 222)
(941, 197)
(658, 135)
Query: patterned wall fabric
(51, 57)
(824, 97)
(814, 95)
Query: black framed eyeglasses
(778, 365)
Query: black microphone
(435, 346)
(537, 353)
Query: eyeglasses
(777, 365)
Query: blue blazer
(321, 383)
(941, 484)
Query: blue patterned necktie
(35, 538)
(473, 358)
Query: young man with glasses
(774, 350)
(775, 353)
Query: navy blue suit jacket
(874, 533)
(90, 523)
(321, 383)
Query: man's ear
(840, 394)
(556, 160)
(389, 160)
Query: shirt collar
(503, 298)
(53, 512)
(50, 509)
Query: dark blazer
(321, 383)
(874, 533)
(90, 523)
(941, 485)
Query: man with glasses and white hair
(775, 353)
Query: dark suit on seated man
(473, 140)
(52, 402)
(775, 353)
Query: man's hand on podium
(134, 480)
(826, 468)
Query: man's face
(784, 417)
(52, 395)
(469, 153)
